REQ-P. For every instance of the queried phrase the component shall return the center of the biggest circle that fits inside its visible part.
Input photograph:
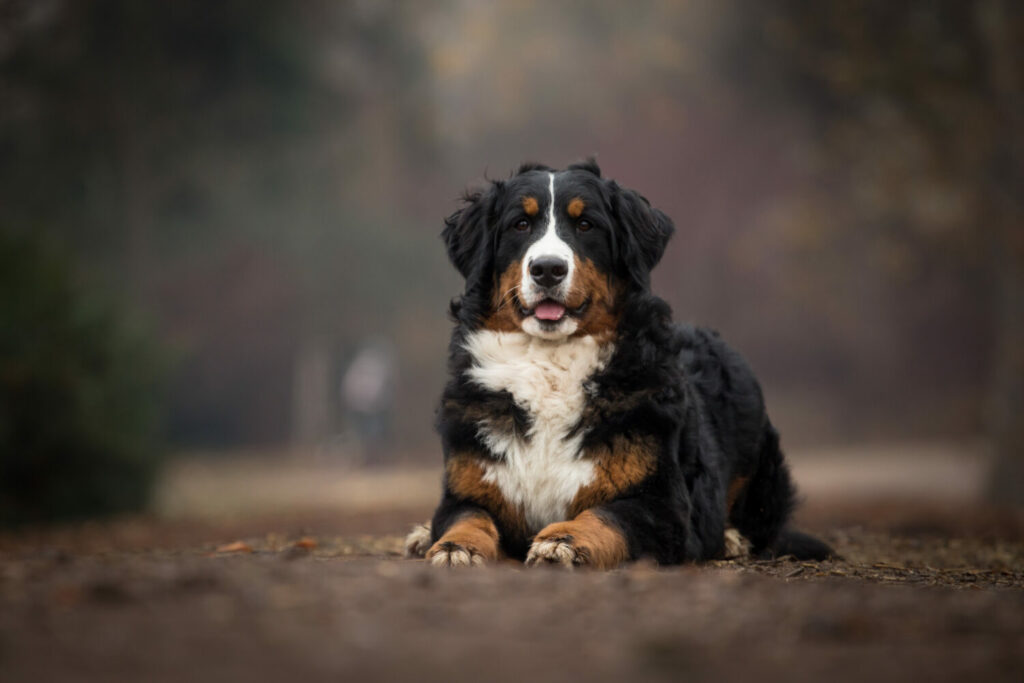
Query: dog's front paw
(557, 550)
(587, 541)
(417, 543)
(452, 554)
(471, 541)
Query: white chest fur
(540, 471)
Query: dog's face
(553, 253)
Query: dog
(580, 425)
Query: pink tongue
(549, 310)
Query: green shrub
(80, 395)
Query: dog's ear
(466, 231)
(589, 165)
(645, 232)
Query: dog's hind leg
(417, 543)
(736, 546)
(762, 508)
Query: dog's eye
(523, 225)
(583, 226)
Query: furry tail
(801, 546)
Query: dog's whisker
(507, 297)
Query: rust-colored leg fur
(470, 541)
(585, 541)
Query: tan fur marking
(616, 469)
(576, 207)
(504, 315)
(596, 543)
(530, 206)
(475, 533)
(466, 479)
(601, 317)
(736, 487)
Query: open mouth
(551, 311)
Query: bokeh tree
(80, 394)
(221, 164)
(919, 118)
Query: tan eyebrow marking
(530, 206)
(576, 207)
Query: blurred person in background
(367, 398)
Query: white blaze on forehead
(550, 244)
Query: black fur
(677, 386)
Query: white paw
(417, 543)
(448, 554)
(736, 546)
(558, 551)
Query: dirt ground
(925, 590)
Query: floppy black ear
(465, 231)
(645, 232)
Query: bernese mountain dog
(580, 425)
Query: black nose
(548, 271)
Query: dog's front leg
(591, 540)
(471, 540)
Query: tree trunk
(1007, 411)
(311, 394)
(1007, 182)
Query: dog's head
(554, 253)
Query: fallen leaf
(236, 547)
(306, 543)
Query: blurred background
(220, 270)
